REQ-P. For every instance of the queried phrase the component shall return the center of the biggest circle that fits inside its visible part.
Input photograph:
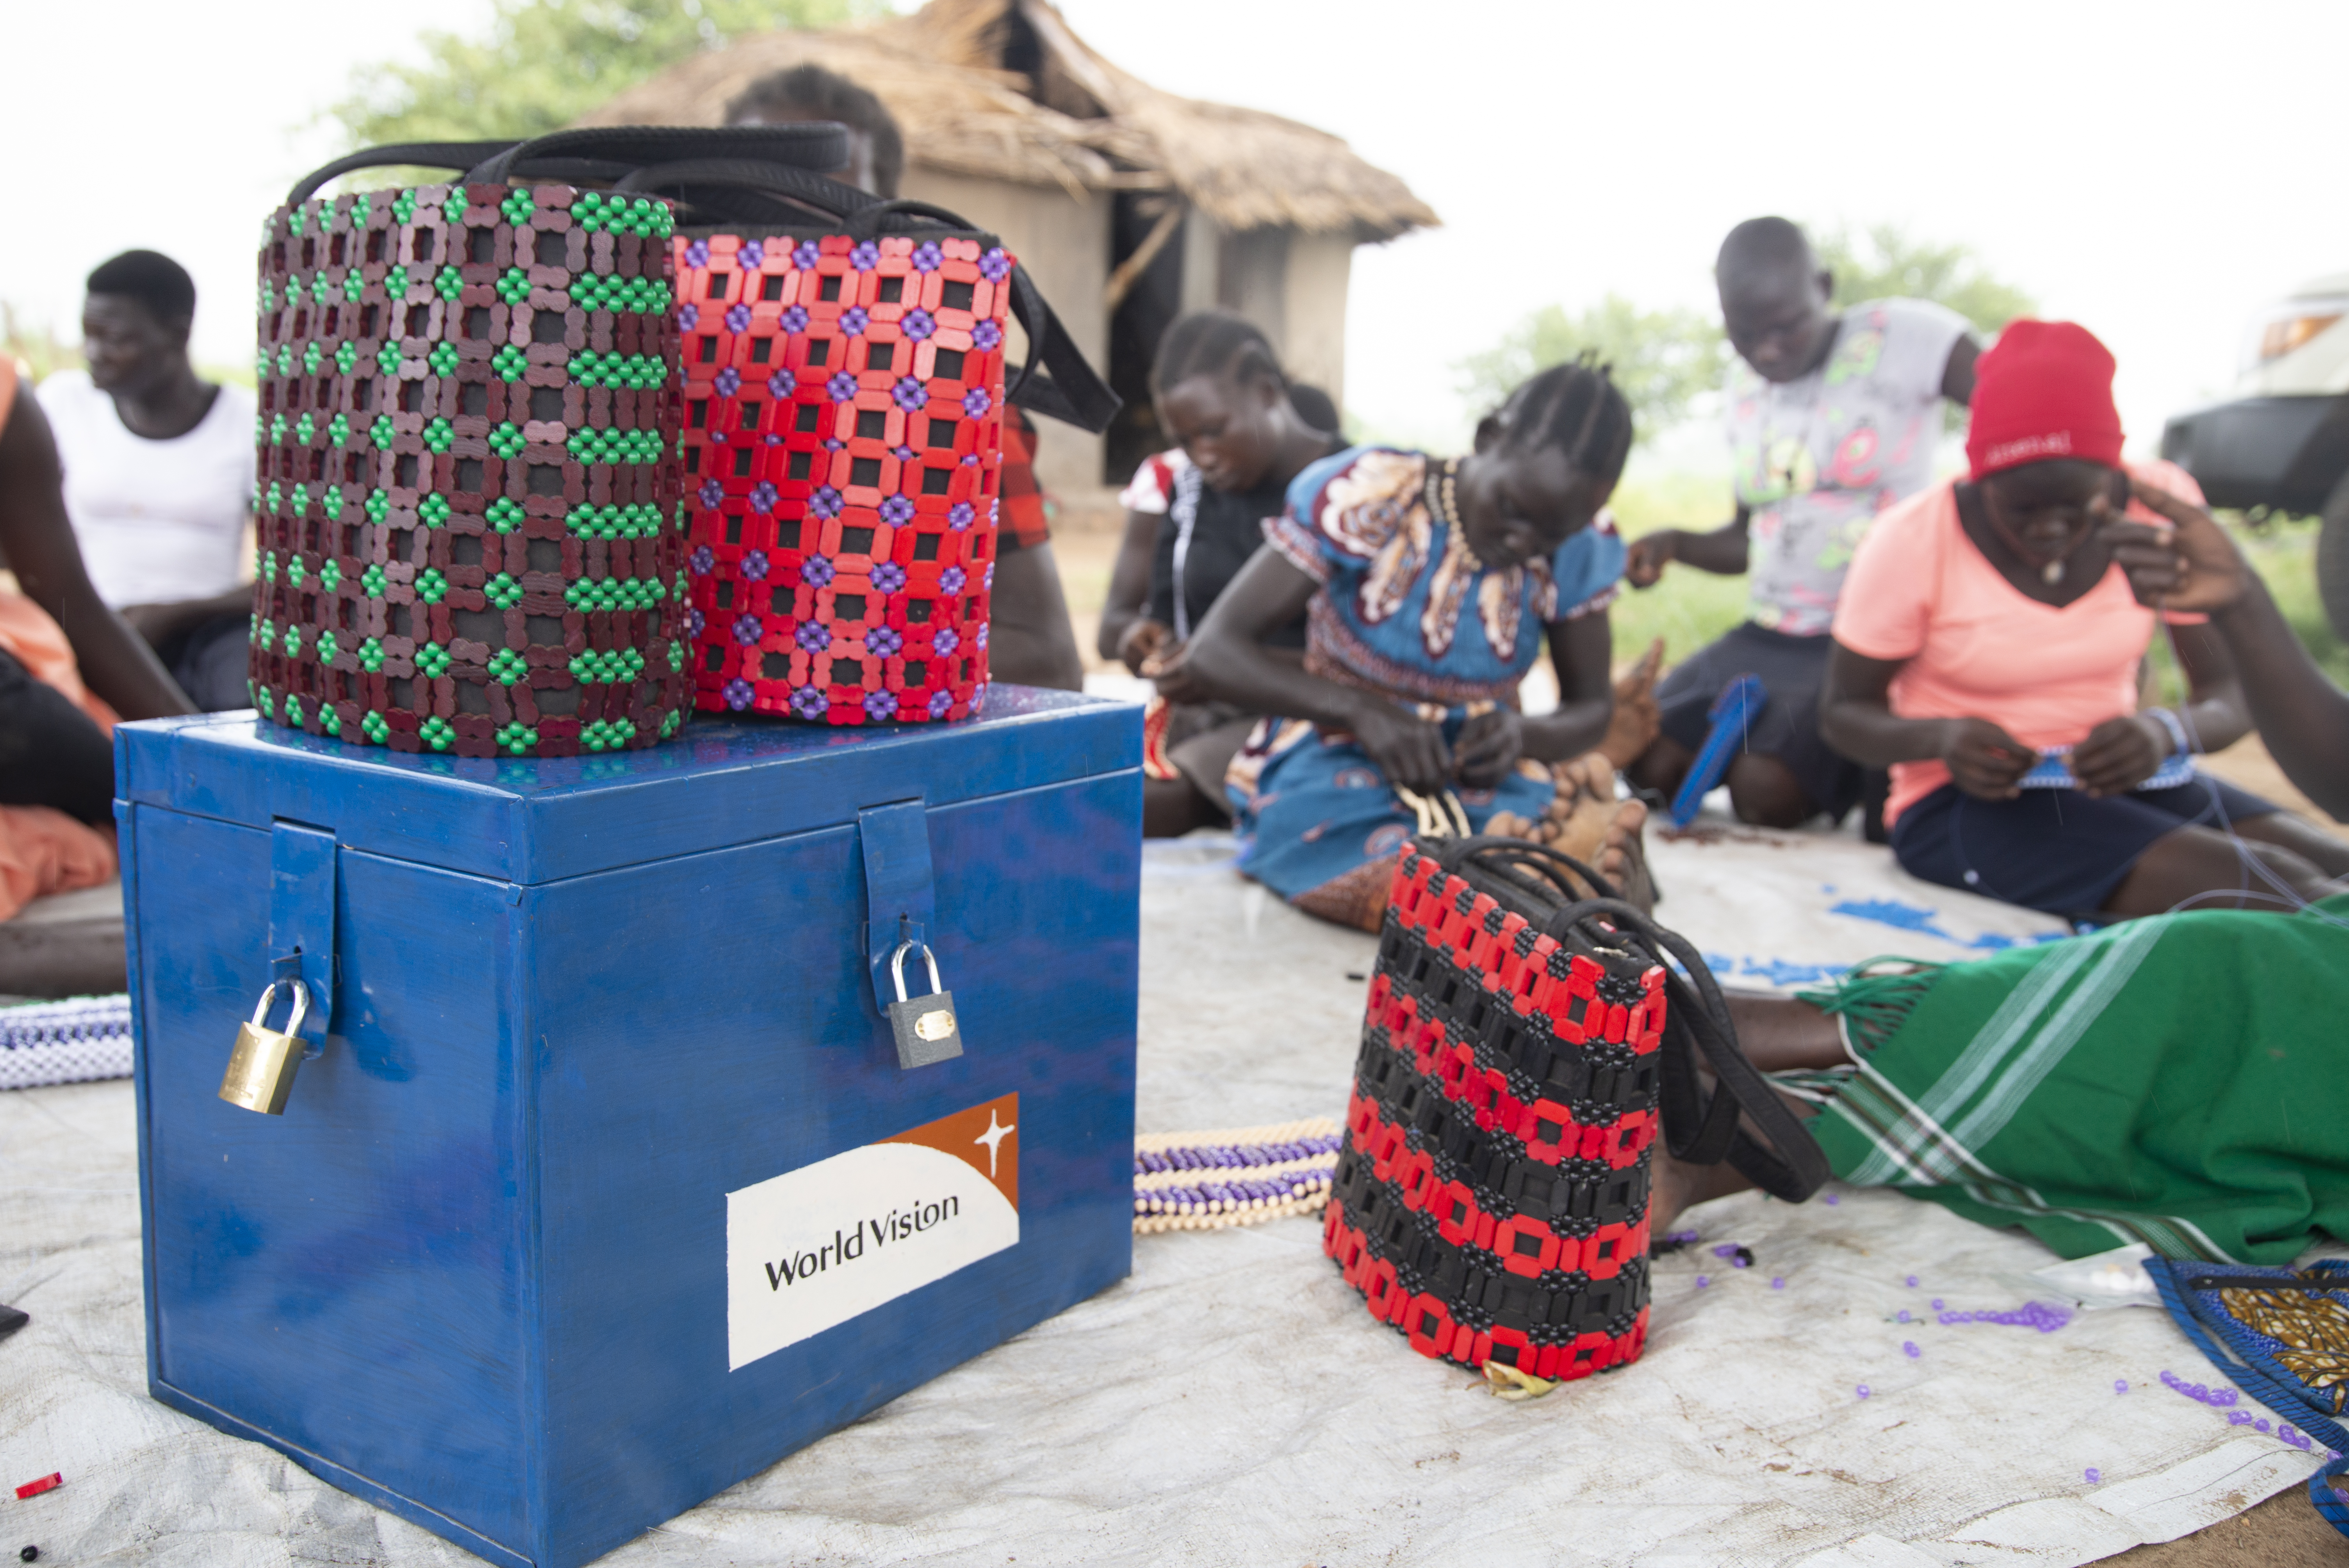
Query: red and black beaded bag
(844, 390)
(1523, 1046)
(470, 536)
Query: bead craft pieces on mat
(73, 1041)
(469, 529)
(1243, 1176)
(843, 439)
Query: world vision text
(848, 1247)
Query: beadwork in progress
(1491, 1203)
(1208, 1180)
(72, 1041)
(843, 424)
(470, 532)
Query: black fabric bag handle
(1699, 1128)
(420, 154)
(1057, 381)
(714, 189)
(602, 153)
(816, 144)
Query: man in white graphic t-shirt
(158, 467)
(1831, 420)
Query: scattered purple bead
(1908, 1349)
(1863, 1390)
(2095, 1476)
(2220, 1399)
(1701, 1281)
(2036, 1314)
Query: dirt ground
(2284, 1531)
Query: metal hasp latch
(302, 873)
(900, 906)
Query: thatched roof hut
(1129, 204)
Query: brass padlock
(925, 1026)
(261, 1070)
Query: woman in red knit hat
(1988, 650)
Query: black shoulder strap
(601, 153)
(421, 154)
(1056, 382)
(1700, 1128)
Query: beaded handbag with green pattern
(469, 536)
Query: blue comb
(1732, 716)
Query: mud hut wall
(1064, 244)
(1203, 242)
(1312, 338)
(1252, 278)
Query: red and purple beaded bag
(843, 437)
(1522, 1047)
(844, 389)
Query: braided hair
(1576, 407)
(1212, 342)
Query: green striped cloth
(2180, 1081)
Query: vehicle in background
(2282, 443)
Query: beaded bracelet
(1208, 1180)
(2179, 745)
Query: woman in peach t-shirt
(1988, 650)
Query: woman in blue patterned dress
(1429, 587)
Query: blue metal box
(607, 1189)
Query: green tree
(1663, 359)
(544, 63)
(1882, 259)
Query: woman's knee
(1763, 791)
(2290, 830)
(2291, 868)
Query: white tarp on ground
(1231, 1403)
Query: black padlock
(925, 1026)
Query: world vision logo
(810, 1249)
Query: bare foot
(1586, 822)
(1674, 1186)
(1637, 718)
(1623, 856)
(1509, 825)
(1585, 804)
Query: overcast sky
(2157, 172)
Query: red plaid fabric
(1022, 522)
